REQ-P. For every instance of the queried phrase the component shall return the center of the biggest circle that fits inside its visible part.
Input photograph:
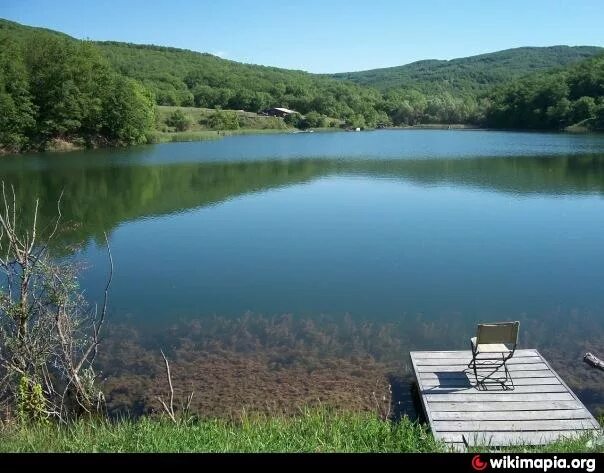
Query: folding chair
(493, 345)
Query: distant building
(278, 112)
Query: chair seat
(492, 347)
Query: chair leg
(508, 376)
(472, 364)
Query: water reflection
(99, 198)
(416, 247)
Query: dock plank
(555, 414)
(468, 374)
(502, 396)
(505, 406)
(462, 367)
(466, 381)
(542, 388)
(423, 355)
(465, 361)
(540, 409)
(496, 439)
(513, 426)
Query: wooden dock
(540, 409)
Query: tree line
(552, 100)
(54, 89)
(186, 78)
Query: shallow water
(419, 234)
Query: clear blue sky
(323, 36)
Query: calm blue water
(464, 226)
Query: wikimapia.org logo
(545, 464)
(478, 464)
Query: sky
(323, 35)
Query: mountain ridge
(484, 70)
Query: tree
(49, 337)
(17, 112)
(179, 120)
(315, 120)
(559, 114)
(296, 120)
(599, 120)
(68, 82)
(129, 112)
(356, 121)
(404, 114)
(223, 120)
(582, 109)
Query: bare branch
(44, 319)
(383, 406)
(169, 409)
(33, 231)
(93, 348)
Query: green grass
(176, 136)
(250, 123)
(198, 116)
(311, 431)
(317, 430)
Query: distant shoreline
(436, 126)
(159, 137)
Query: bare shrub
(49, 335)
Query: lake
(282, 270)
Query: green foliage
(17, 111)
(223, 120)
(356, 121)
(315, 120)
(176, 75)
(129, 112)
(551, 100)
(471, 75)
(56, 88)
(179, 120)
(317, 430)
(198, 120)
(311, 120)
(296, 120)
(31, 403)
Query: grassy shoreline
(158, 137)
(313, 430)
(161, 137)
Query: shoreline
(159, 137)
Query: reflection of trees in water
(99, 198)
(283, 363)
(289, 361)
(101, 194)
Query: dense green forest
(186, 78)
(429, 92)
(554, 100)
(470, 75)
(56, 91)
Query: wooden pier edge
(542, 408)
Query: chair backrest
(503, 332)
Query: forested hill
(573, 96)
(187, 78)
(471, 75)
(57, 91)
